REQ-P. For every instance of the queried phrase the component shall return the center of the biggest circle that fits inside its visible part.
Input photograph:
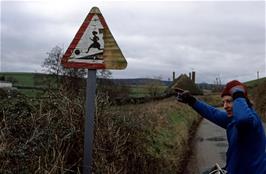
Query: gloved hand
(237, 91)
(185, 97)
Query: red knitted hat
(230, 85)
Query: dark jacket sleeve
(244, 115)
(211, 113)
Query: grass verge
(46, 136)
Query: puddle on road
(216, 139)
(221, 144)
(200, 139)
(223, 155)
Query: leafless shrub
(42, 136)
(141, 138)
(46, 136)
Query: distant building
(186, 83)
(4, 84)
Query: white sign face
(91, 45)
(94, 46)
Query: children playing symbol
(95, 43)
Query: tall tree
(69, 79)
(52, 63)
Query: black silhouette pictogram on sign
(94, 47)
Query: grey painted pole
(89, 121)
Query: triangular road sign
(94, 46)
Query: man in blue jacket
(245, 134)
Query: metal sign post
(89, 121)
(93, 47)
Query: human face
(228, 105)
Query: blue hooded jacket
(245, 134)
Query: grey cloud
(213, 38)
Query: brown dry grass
(161, 132)
(213, 99)
(47, 136)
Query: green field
(253, 83)
(24, 79)
(31, 84)
(143, 90)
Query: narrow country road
(210, 145)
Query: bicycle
(217, 170)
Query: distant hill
(209, 86)
(32, 84)
(257, 92)
(138, 81)
(28, 79)
(254, 83)
(253, 86)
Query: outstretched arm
(211, 113)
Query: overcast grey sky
(223, 39)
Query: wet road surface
(210, 146)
